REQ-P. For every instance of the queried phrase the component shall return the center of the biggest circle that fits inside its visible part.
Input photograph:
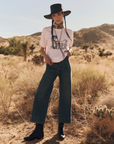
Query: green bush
(2, 50)
(13, 42)
(16, 47)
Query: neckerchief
(58, 26)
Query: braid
(52, 31)
(66, 29)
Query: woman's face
(58, 17)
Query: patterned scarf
(58, 26)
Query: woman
(56, 42)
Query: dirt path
(14, 134)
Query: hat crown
(56, 8)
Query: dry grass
(17, 78)
(20, 80)
(5, 93)
(99, 131)
(88, 80)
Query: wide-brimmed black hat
(56, 8)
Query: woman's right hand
(48, 60)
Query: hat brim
(66, 13)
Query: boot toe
(32, 138)
(29, 138)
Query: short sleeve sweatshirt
(61, 40)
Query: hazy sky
(25, 17)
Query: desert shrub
(108, 53)
(2, 49)
(85, 46)
(74, 53)
(101, 128)
(9, 51)
(87, 57)
(88, 80)
(38, 59)
(91, 47)
(14, 47)
(13, 42)
(102, 53)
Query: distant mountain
(101, 36)
(108, 28)
(3, 41)
(36, 34)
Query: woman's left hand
(70, 51)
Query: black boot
(60, 131)
(37, 133)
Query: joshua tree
(32, 47)
(25, 47)
(85, 46)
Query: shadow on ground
(53, 140)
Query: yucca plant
(25, 48)
(85, 46)
(32, 47)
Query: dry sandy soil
(14, 134)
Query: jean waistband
(66, 58)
